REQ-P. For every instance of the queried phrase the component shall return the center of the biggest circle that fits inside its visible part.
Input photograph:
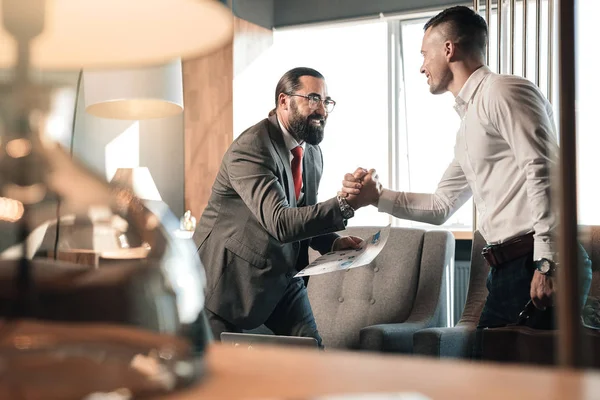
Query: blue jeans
(508, 292)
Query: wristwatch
(345, 208)
(545, 266)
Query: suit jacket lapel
(277, 139)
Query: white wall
(105, 144)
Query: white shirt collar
(289, 140)
(468, 90)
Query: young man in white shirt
(505, 150)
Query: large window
(588, 86)
(386, 118)
(588, 131)
(427, 127)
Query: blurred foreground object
(70, 329)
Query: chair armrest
(445, 342)
(429, 306)
(393, 338)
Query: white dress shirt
(504, 151)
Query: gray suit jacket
(253, 236)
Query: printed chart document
(352, 258)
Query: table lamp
(134, 93)
(70, 332)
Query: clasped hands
(361, 188)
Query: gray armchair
(378, 307)
(458, 341)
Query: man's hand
(541, 291)
(362, 188)
(347, 242)
(352, 183)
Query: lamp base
(91, 361)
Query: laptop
(250, 339)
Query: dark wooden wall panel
(208, 115)
(208, 122)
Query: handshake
(361, 188)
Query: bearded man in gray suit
(263, 215)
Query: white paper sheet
(346, 259)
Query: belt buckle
(488, 253)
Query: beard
(304, 128)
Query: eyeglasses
(315, 99)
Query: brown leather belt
(498, 254)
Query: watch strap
(345, 208)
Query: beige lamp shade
(114, 33)
(138, 179)
(135, 93)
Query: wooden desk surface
(276, 373)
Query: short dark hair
(290, 81)
(463, 26)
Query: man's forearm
(421, 207)
(544, 219)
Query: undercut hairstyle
(290, 82)
(463, 26)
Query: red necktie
(297, 169)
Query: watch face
(544, 266)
